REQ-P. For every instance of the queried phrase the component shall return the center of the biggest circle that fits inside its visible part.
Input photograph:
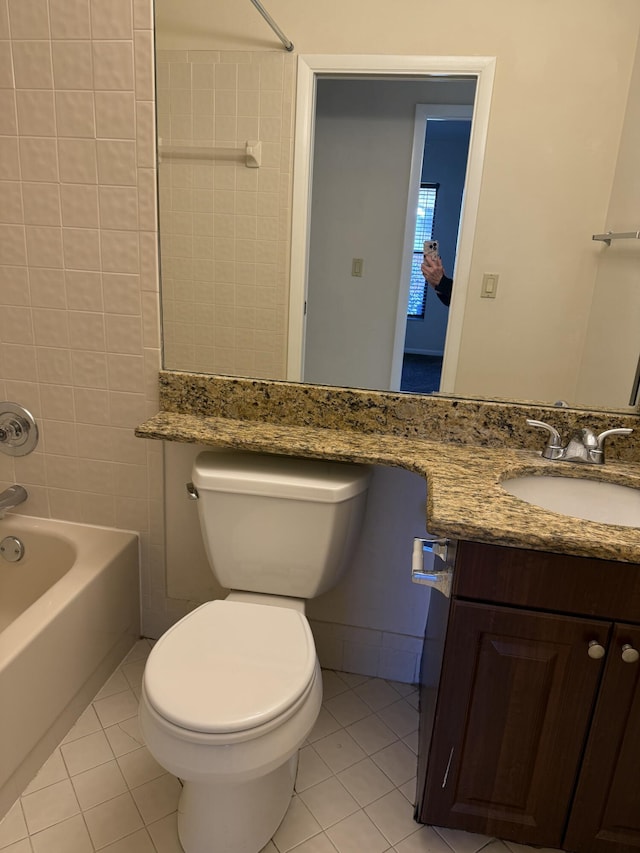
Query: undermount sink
(593, 500)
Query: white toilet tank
(277, 524)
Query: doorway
(439, 157)
(398, 72)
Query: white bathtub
(69, 612)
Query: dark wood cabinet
(535, 738)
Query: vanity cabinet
(536, 734)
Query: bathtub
(69, 612)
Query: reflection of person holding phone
(434, 274)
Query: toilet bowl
(229, 694)
(232, 690)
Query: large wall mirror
(551, 161)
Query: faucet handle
(600, 440)
(554, 444)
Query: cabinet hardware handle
(629, 654)
(446, 772)
(595, 650)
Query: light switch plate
(489, 285)
(356, 267)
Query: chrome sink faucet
(583, 446)
(11, 498)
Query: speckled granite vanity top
(463, 448)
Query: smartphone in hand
(431, 249)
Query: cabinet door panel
(515, 698)
(606, 813)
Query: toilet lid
(230, 666)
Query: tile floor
(101, 789)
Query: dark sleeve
(443, 289)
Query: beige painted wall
(610, 359)
(560, 92)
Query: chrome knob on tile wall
(18, 430)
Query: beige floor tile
(329, 802)
(86, 752)
(339, 750)
(13, 826)
(49, 806)
(365, 782)
(139, 767)
(311, 769)
(393, 816)
(326, 724)
(116, 708)
(371, 734)
(70, 836)
(98, 785)
(23, 846)
(139, 842)
(397, 761)
(463, 842)
(298, 825)
(115, 684)
(347, 708)
(113, 820)
(425, 840)
(165, 834)
(377, 693)
(52, 771)
(158, 798)
(357, 833)
(401, 717)
(86, 724)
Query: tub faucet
(11, 497)
(583, 446)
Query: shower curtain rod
(285, 41)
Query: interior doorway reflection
(442, 145)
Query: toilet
(232, 690)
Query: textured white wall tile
(75, 114)
(119, 208)
(38, 159)
(111, 19)
(79, 205)
(41, 203)
(70, 19)
(29, 19)
(78, 161)
(44, 246)
(83, 290)
(36, 115)
(113, 65)
(115, 115)
(72, 65)
(32, 65)
(47, 288)
(117, 162)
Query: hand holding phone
(431, 249)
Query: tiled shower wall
(225, 227)
(79, 318)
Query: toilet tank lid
(291, 477)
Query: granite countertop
(464, 496)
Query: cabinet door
(606, 813)
(516, 695)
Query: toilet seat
(230, 667)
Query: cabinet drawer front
(538, 579)
(515, 698)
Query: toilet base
(240, 818)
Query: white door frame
(422, 115)
(312, 66)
